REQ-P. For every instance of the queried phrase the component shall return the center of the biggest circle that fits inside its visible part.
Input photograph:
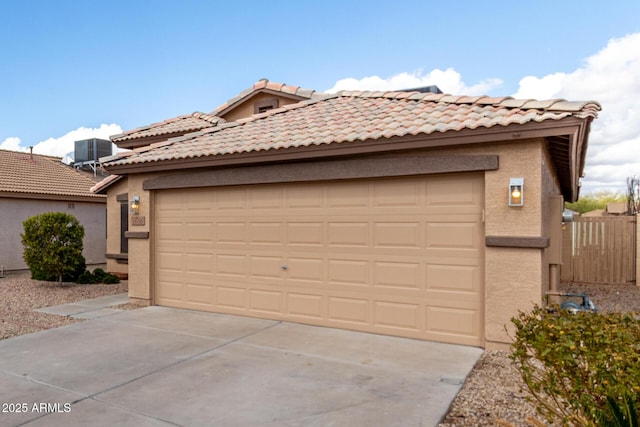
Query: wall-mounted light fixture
(134, 206)
(516, 192)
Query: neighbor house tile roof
(29, 175)
(181, 124)
(351, 116)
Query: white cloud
(449, 81)
(66, 143)
(611, 77)
(12, 144)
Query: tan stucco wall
(140, 250)
(14, 211)
(113, 226)
(515, 278)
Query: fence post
(637, 251)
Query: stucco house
(406, 213)
(31, 184)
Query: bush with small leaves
(98, 276)
(86, 278)
(573, 364)
(110, 279)
(52, 245)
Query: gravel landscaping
(20, 296)
(492, 394)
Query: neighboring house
(612, 209)
(384, 212)
(31, 184)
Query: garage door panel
(266, 301)
(305, 233)
(398, 275)
(348, 234)
(397, 235)
(348, 195)
(266, 198)
(229, 199)
(401, 256)
(199, 293)
(170, 290)
(170, 202)
(452, 235)
(306, 269)
(446, 321)
(397, 315)
(265, 267)
(170, 231)
(171, 261)
(230, 297)
(397, 194)
(305, 306)
(199, 202)
(266, 233)
(196, 231)
(231, 265)
(350, 310)
(231, 233)
(199, 262)
(350, 272)
(304, 197)
(458, 278)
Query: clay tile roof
(358, 116)
(181, 124)
(22, 173)
(101, 186)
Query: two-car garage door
(398, 256)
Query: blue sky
(72, 69)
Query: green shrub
(52, 245)
(86, 278)
(619, 413)
(571, 363)
(72, 276)
(98, 276)
(110, 279)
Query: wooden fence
(599, 250)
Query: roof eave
(514, 132)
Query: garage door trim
(326, 170)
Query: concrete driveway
(163, 367)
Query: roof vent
(423, 89)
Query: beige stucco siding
(13, 211)
(140, 279)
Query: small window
(71, 205)
(265, 105)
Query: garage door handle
(283, 267)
